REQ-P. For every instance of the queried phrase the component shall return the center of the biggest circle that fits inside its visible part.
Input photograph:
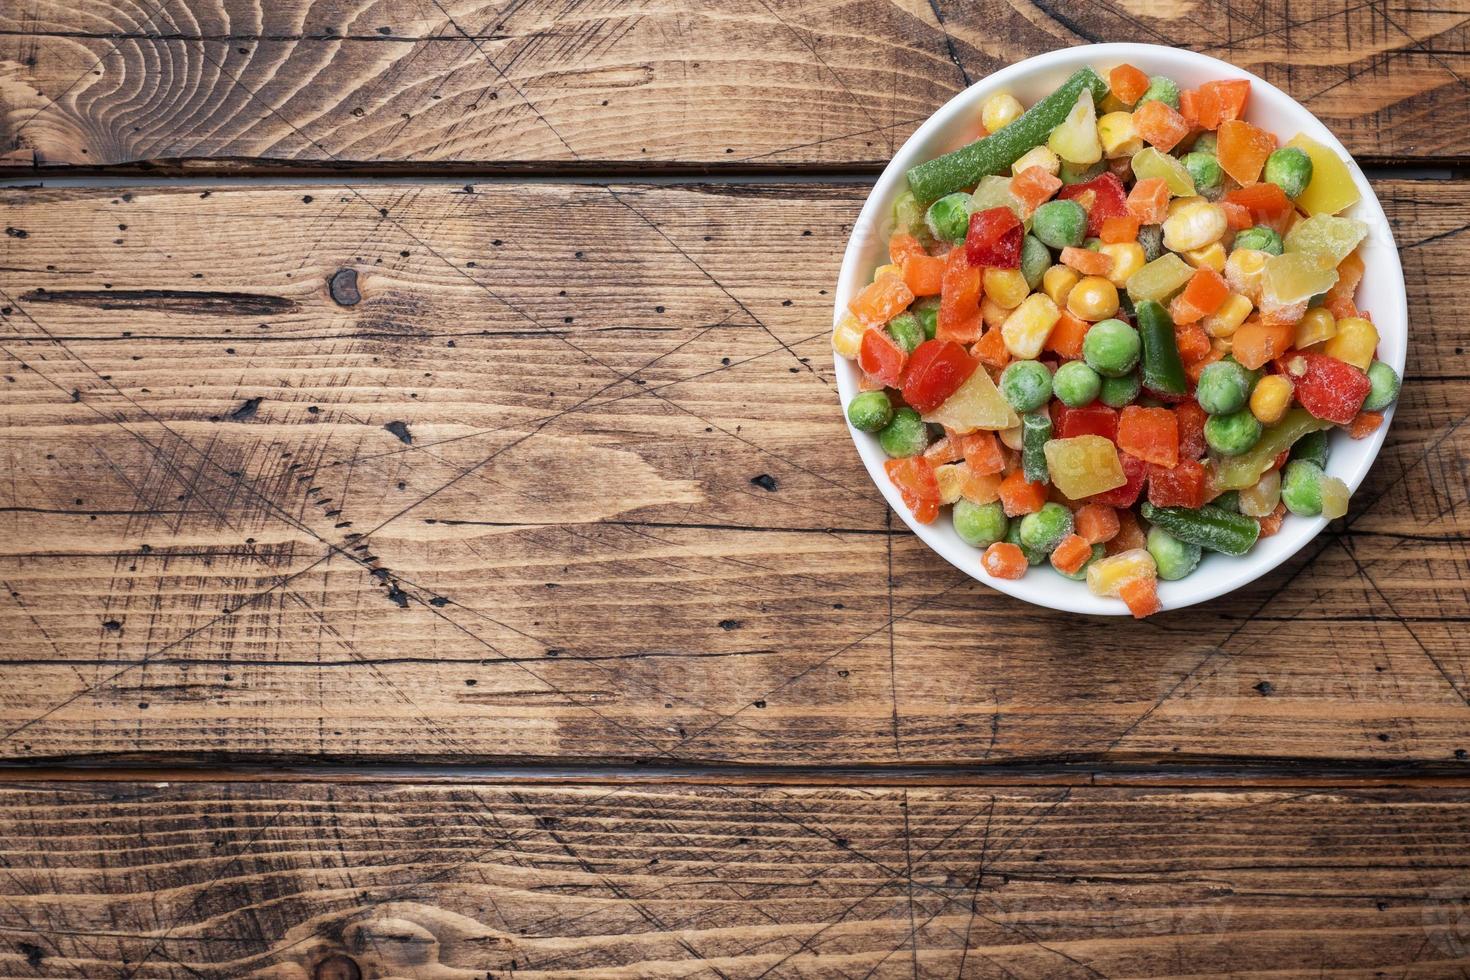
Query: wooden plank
(469, 82)
(501, 496)
(241, 880)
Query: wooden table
(431, 547)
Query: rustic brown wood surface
(561, 481)
(755, 83)
(621, 881)
(449, 577)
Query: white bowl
(1381, 292)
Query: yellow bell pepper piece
(1331, 188)
(847, 336)
(1107, 576)
(1026, 329)
(1355, 342)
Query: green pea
(1206, 142)
(1229, 500)
(870, 411)
(949, 217)
(1026, 385)
(927, 310)
(1013, 535)
(1035, 260)
(1233, 434)
(1314, 447)
(1118, 392)
(1081, 574)
(1223, 387)
(1301, 488)
(1076, 384)
(1151, 237)
(1060, 223)
(1204, 168)
(1045, 529)
(905, 435)
(1385, 390)
(1174, 558)
(1111, 348)
(1290, 169)
(906, 329)
(1081, 173)
(979, 525)
(1163, 89)
(1260, 238)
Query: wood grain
(270, 881)
(559, 475)
(767, 83)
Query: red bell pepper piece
(880, 357)
(936, 369)
(994, 239)
(1330, 389)
(1182, 485)
(1191, 418)
(1089, 420)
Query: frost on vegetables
(1195, 275)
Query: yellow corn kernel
(1316, 325)
(1006, 286)
(992, 314)
(1180, 203)
(1111, 103)
(951, 478)
(1058, 281)
(1221, 345)
(1243, 271)
(1194, 226)
(1038, 156)
(1011, 437)
(1271, 399)
(1028, 326)
(1355, 342)
(1107, 576)
(1212, 256)
(1119, 138)
(1230, 315)
(847, 336)
(1128, 258)
(999, 111)
(1261, 498)
(1093, 298)
(887, 270)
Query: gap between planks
(1323, 775)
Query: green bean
(1208, 527)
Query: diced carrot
(1194, 370)
(1341, 307)
(1257, 342)
(1066, 336)
(1141, 594)
(1128, 83)
(1242, 149)
(979, 488)
(881, 301)
(1149, 201)
(1160, 124)
(1271, 523)
(944, 450)
(902, 246)
(1192, 420)
(1230, 95)
(1129, 535)
(991, 349)
(1237, 216)
(1004, 560)
(1365, 424)
(1201, 106)
(1071, 554)
(1086, 261)
(1192, 341)
(1151, 434)
(1034, 186)
(1020, 497)
(959, 299)
(923, 274)
(1349, 274)
(982, 453)
(1188, 107)
(1267, 202)
(1202, 296)
(1123, 228)
(1097, 523)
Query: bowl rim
(1390, 317)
